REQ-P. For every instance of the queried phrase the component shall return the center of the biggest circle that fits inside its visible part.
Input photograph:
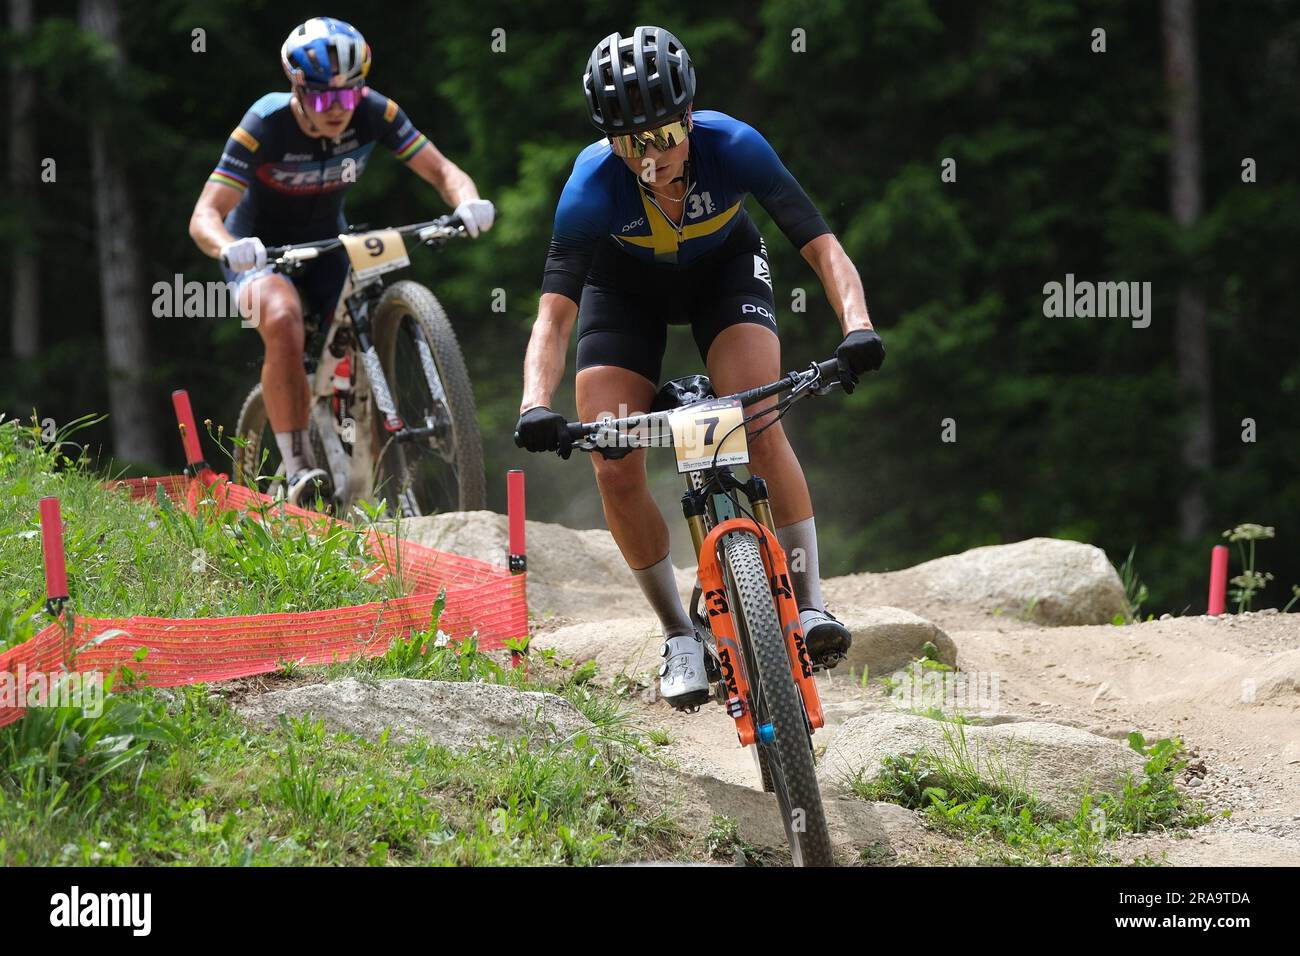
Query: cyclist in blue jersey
(282, 179)
(651, 231)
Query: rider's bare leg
(741, 357)
(285, 389)
(630, 511)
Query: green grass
(1135, 592)
(153, 557)
(991, 808)
(723, 842)
(206, 789)
(176, 777)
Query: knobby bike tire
(407, 298)
(789, 757)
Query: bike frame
(712, 513)
(354, 474)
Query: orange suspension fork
(723, 624)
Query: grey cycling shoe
(828, 640)
(683, 681)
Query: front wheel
(430, 386)
(788, 757)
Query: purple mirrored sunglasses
(321, 100)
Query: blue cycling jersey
(293, 183)
(606, 209)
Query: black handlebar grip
(576, 431)
(830, 368)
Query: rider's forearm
(209, 231)
(458, 187)
(544, 361)
(841, 281)
(452, 182)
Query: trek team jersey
(605, 211)
(293, 183)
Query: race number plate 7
(374, 253)
(707, 429)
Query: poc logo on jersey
(749, 308)
(633, 225)
(761, 271)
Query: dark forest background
(1128, 165)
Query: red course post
(518, 550)
(189, 431)
(56, 567)
(515, 513)
(1218, 579)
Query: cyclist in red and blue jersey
(282, 179)
(651, 231)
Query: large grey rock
(886, 639)
(1050, 762)
(570, 573)
(456, 715)
(624, 645)
(1278, 681)
(884, 830)
(1053, 581)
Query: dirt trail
(1228, 687)
(1229, 690)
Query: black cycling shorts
(627, 305)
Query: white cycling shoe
(307, 485)
(683, 682)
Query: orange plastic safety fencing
(482, 600)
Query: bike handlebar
(817, 379)
(435, 230)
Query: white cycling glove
(477, 215)
(244, 254)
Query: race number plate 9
(707, 429)
(374, 253)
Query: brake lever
(809, 381)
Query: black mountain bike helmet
(639, 82)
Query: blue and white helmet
(325, 53)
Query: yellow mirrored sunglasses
(662, 137)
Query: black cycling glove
(861, 351)
(540, 429)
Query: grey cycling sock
(799, 541)
(659, 585)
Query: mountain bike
(743, 603)
(392, 410)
